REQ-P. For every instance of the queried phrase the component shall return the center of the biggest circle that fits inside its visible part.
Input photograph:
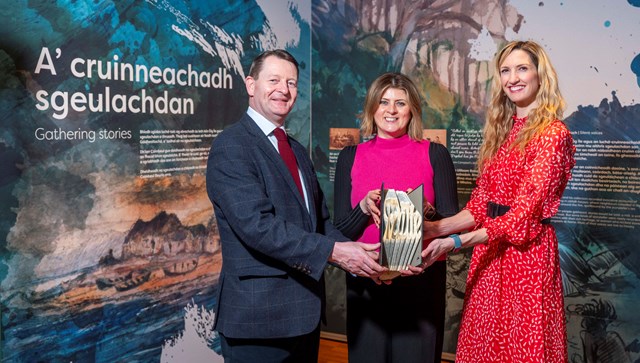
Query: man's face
(273, 93)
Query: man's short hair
(256, 65)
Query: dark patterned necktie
(287, 155)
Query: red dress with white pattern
(513, 309)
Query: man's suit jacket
(274, 250)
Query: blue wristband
(457, 242)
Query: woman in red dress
(513, 309)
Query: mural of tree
(428, 40)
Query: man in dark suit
(275, 231)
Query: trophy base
(389, 275)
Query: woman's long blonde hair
(550, 103)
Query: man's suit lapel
(309, 177)
(263, 143)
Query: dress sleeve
(444, 181)
(351, 221)
(477, 204)
(548, 164)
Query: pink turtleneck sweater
(399, 163)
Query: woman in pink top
(513, 309)
(402, 321)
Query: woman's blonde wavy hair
(372, 102)
(550, 103)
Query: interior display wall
(108, 246)
(109, 249)
(447, 49)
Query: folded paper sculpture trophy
(400, 230)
